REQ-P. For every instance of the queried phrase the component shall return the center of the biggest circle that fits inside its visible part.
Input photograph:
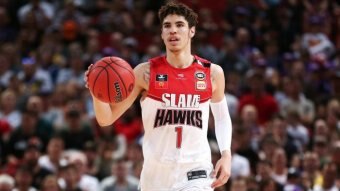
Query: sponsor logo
(118, 96)
(201, 85)
(161, 81)
(192, 175)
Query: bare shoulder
(216, 72)
(218, 83)
(142, 74)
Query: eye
(180, 25)
(166, 26)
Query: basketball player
(177, 90)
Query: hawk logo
(161, 81)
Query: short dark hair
(175, 8)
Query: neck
(180, 59)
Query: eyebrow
(177, 22)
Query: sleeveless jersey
(175, 112)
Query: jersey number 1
(179, 131)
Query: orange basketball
(111, 79)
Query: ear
(192, 31)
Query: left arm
(223, 126)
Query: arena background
(282, 66)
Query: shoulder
(142, 74)
(142, 67)
(216, 71)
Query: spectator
(129, 125)
(55, 112)
(231, 93)
(315, 41)
(231, 60)
(34, 79)
(120, 179)
(296, 100)
(281, 136)
(264, 103)
(74, 73)
(240, 167)
(329, 178)
(110, 150)
(68, 177)
(6, 182)
(5, 71)
(30, 161)
(75, 127)
(249, 117)
(50, 183)
(54, 157)
(90, 150)
(279, 165)
(23, 180)
(270, 51)
(8, 111)
(84, 181)
(311, 164)
(43, 12)
(297, 130)
(29, 129)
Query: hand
(222, 169)
(86, 76)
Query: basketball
(111, 79)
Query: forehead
(173, 18)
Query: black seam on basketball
(131, 73)
(108, 64)
(108, 84)
(122, 67)
(95, 80)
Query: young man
(176, 92)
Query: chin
(174, 49)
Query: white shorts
(158, 176)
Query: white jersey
(175, 115)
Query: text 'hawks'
(179, 116)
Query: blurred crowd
(281, 60)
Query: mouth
(173, 39)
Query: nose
(173, 30)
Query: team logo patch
(161, 81)
(200, 75)
(201, 85)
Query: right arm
(107, 113)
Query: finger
(221, 179)
(217, 168)
(219, 182)
(216, 183)
(90, 66)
